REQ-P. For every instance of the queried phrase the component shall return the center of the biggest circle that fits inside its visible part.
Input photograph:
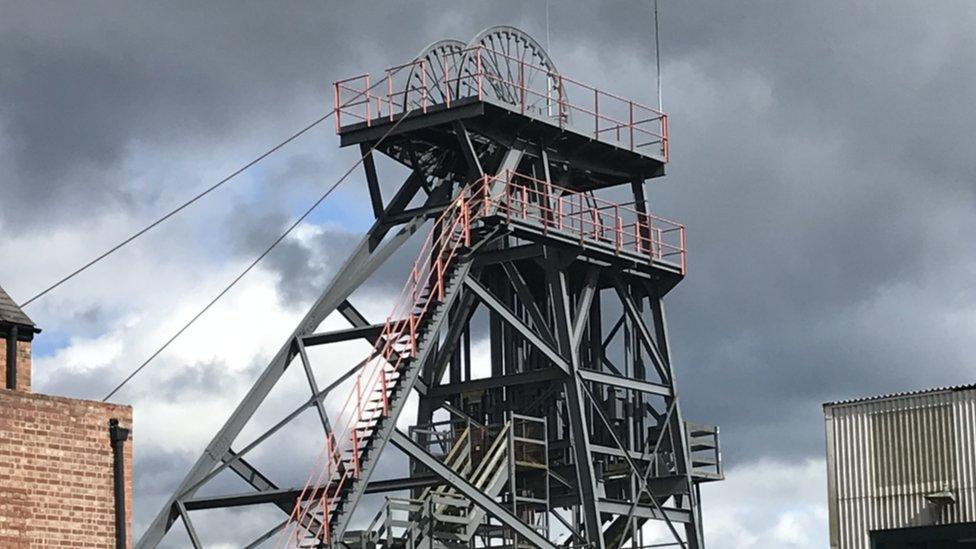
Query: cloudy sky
(822, 159)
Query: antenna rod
(548, 45)
(657, 54)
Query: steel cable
(178, 209)
(258, 258)
(200, 195)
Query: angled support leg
(512, 320)
(467, 149)
(190, 530)
(372, 181)
(364, 261)
(644, 334)
(412, 449)
(312, 384)
(677, 428)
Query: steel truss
(567, 290)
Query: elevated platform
(609, 233)
(537, 292)
(600, 138)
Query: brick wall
(23, 365)
(56, 483)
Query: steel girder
(618, 450)
(368, 256)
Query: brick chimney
(16, 333)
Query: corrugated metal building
(901, 470)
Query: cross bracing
(524, 374)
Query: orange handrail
(510, 195)
(613, 117)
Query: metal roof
(11, 313)
(949, 389)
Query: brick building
(65, 464)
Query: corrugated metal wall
(884, 456)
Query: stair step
(452, 519)
(395, 363)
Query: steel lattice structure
(564, 429)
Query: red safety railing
(587, 218)
(369, 400)
(532, 89)
(579, 216)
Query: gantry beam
(461, 484)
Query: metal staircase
(534, 293)
(390, 371)
(442, 517)
(388, 374)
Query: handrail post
(596, 114)
(328, 454)
(355, 452)
(562, 114)
(559, 212)
(439, 266)
(664, 137)
(525, 202)
(385, 386)
(650, 236)
(413, 334)
(487, 197)
(413, 278)
(681, 240)
(618, 229)
(369, 116)
(582, 222)
(631, 103)
(506, 188)
(389, 94)
(326, 516)
(466, 216)
(335, 103)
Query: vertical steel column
(361, 264)
(575, 405)
(679, 436)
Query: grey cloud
(84, 86)
(302, 268)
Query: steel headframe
(566, 288)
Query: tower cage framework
(529, 343)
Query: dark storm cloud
(819, 162)
(827, 216)
(84, 84)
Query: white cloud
(767, 504)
